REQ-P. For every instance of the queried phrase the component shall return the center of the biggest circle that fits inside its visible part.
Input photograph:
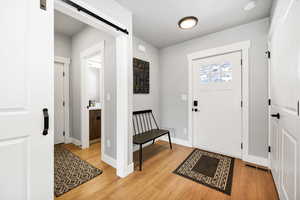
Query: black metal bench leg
(141, 156)
(153, 141)
(170, 140)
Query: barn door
(26, 93)
(285, 93)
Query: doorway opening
(78, 101)
(116, 149)
(75, 37)
(92, 95)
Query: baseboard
(68, 140)
(256, 160)
(74, 141)
(137, 147)
(176, 141)
(109, 160)
(130, 168)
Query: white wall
(174, 81)
(93, 86)
(80, 42)
(62, 45)
(151, 100)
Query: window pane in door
(216, 73)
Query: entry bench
(144, 132)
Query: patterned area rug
(210, 169)
(70, 171)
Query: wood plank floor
(157, 181)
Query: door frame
(84, 114)
(244, 47)
(66, 62)
(124, 164)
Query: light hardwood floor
(157, 181)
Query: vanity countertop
(95, 108)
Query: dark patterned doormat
(70, 171)
(210, 169)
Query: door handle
(46, 121)
(276, 115)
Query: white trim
(257, 160)
(66, 62)
(176, 141)
(123, 110)
(74, 141)
(109, 160)
(137, 147)
(269, 107)
(84, 114)
(124, 62)
(130, 168)
(62, 60)
(244, 48)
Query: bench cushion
(148, 136)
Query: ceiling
(156, 21)
(66, 25)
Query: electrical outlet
(108, 143)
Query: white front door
(217, 103)
(285, 95)
(59, 103)
(26, 54)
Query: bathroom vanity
(95, 124)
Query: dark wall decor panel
(141, 77)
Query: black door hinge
(241, 104)
(64, 133)
(242, 146)
(242, 62)
(64, 103)
(269, 102)
(268, 53)
(64, 74)
(269, 149)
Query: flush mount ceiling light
(250, 5)
(188, 22)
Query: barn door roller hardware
(268, 54)
(86, 11)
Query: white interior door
(59, 101)
(26, 54)
(285, 95)
(217, 103)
